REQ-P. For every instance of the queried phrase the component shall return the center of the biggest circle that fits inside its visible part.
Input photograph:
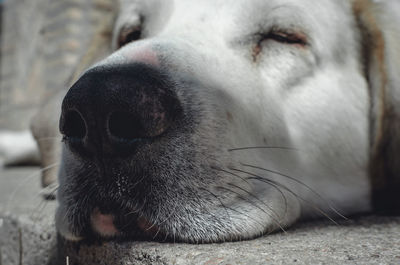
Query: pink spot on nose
(142, 54)
(103, 223)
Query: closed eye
(296, 39)
(287, 38)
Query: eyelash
(280, 36)
(287, 38)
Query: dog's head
(219, 121)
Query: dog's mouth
(127, 206)
(113, 211)
(103, 224)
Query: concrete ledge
(368, 240)
(27, 239)
(27, 234)
(24, 241)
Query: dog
(214, 121)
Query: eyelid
(290, 38)
(286, 36)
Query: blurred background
(42, 45)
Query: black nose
(111, 109)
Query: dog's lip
(106, 225)
(103, 224)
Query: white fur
(324, 116)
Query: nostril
(73, 125)
(125, 126)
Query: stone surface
(27, 234)
(27, 222)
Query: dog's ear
(380, 37)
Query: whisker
(35, 213)
(277, 188)
(49, 192)
(43, 203)
(246, 191)
(239, 212)
(258, 207)
(269, 207)
(166, 218)
(320, 161)
(158, 231)
(137, 210)
(48, 139)
(87, 190)
(23, 182)
(301, 183)
(233, 174)
(137, 182)
(205, 208)
(165, 238)
(263, 147)
(256, 198)
(222, 204)
(260, 178)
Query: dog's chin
(104, 226)
(108, 227)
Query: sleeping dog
(214, 121)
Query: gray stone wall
(19, 47)
(42, 42)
